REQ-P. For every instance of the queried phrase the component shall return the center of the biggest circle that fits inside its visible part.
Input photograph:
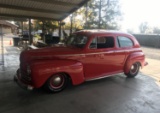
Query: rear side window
(102, 42)
(124, 41)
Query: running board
(103, 77)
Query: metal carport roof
(39, 9)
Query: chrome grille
(24, 77)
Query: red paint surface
(81, 64)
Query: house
(8, 27)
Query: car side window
(102, 42)
(124, 41)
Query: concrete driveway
(116, 94)
(153, 58)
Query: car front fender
(41, 71)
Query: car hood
(48, 53)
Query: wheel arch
(133, 58)
(68, 77)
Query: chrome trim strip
(87, 54)
(100, 53)
(119, 51)
(72, 55)
(103, 77)
(108, 52)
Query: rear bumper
(146, 63)
(21, 83)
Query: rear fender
(132, 58)
(43, 70)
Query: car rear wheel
(133, 70)
(56, 83)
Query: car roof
(101, 31)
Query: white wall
(6, 30)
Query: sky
(137, 11)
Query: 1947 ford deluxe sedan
(87, 55)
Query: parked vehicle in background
(88, 55)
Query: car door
(100, 57)
(124, 48)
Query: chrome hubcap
(57, 81)
(134, 68)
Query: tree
(103, 14)
(96, 14)
(75, 20)
(19, 24)
(49, 25)
(92, 15)
(143, 27)
(131, 31)
(112, 15)
(156, 30)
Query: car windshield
(77, 40)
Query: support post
(2, 46)
(60, 29)
(71, 24)
(100, 8)
(86, 14)
(22, 26)
(43, 31)
(42, 26)
(30, 35)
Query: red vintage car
(87, 55)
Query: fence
(148, 40)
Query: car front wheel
(134, 69)
(56, 83)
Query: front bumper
(21, 83)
